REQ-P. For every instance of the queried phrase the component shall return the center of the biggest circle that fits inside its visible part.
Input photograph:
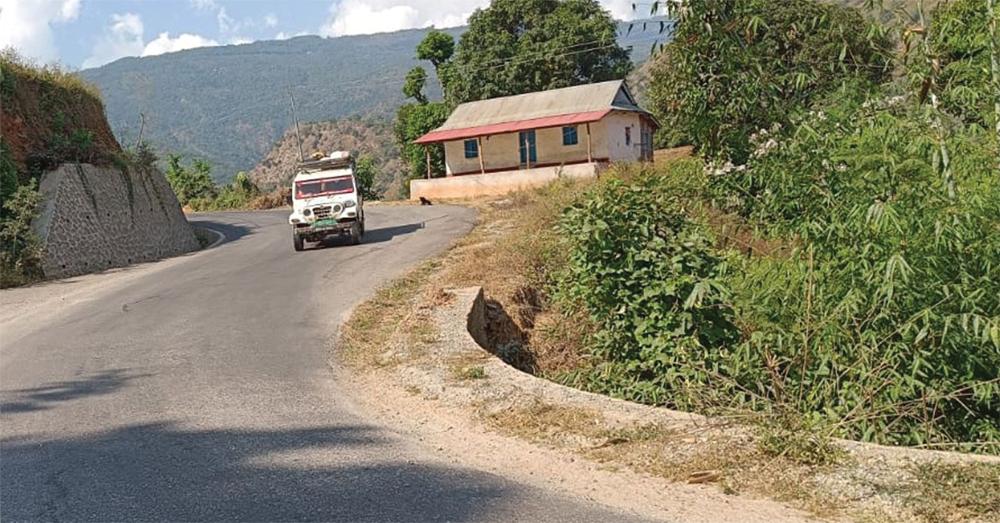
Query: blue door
(528, 151)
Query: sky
(82, 34)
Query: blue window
(628, 135)
(471, 149)
(569, 136)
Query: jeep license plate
(329, 222)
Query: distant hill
(230, 104)
(366, 137)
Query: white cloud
(226, 23)
(123, 38)
(350, 17)
(27, 25)
(203, 4)
(285, 36)
(165, 44)
(622, 9)
(270, 20)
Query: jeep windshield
(324, 187)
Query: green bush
(20, 254)
(8, 174)
(735, 66)
(192, 183)
(649, 280)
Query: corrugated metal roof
(556, 102)
(445, 135)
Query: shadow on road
(158, 472)
(231, 231)
(374, 235)
(41, 398)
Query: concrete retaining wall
(490, 184)
(95, 218)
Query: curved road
(199, 389)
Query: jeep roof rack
(336, 160)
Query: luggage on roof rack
(336, 160)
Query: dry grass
(548, 423)
(54, 74)
(951, 492)
(385, 329)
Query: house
(502, 144)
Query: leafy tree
(244, 184)
(437, 48)
(520, 46)
(736, 66)
(365, 170)
(412, 122)
(415, 81)
(190, 183)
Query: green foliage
(190, 183)
(805, 443)
(9, 180)
(365, 173)
(437, 47)
(736, 66)
(20, 254)
(416, 79)
(412, 122)
(891, 307)
(8, 82)
(520, 46)
(648, 278)
(960, 43)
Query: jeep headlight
(306, 212)
(350, 203)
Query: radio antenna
(295, 117)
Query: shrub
(886, 320)
(649, 280)
(735, 66)
(20, 254)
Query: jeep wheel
(355, 233)
(299, 242)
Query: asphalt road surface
(199, 389)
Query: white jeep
(326, 200)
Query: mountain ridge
(230, 104)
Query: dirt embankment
(51, 117)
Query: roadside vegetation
(196, 191)
(829, 259)
(826, 264)
(48, 118)
(824, 267)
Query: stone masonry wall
(96, 218)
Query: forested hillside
(372, 138)
(229, 105)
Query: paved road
(199, 389)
